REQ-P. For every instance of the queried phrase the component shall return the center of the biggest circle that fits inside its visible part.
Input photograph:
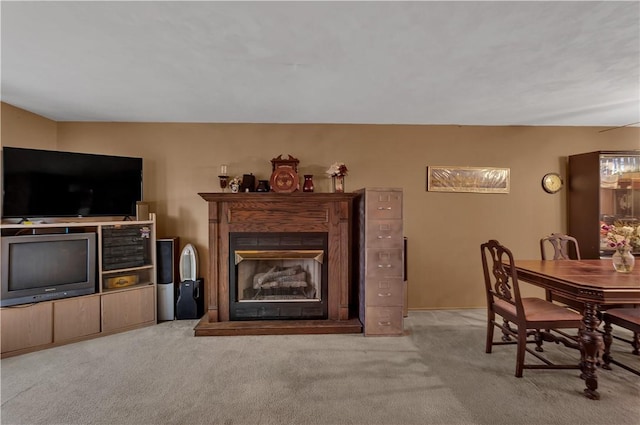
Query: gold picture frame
(468, 179)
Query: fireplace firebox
(278, 276)
(280, 263)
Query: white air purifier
(188, 263)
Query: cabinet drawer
(384, 234)
(384, 292)
(76, 317)
(128, 308)
(383, 321)
(384, 205)
(26, 326)
(384, 263)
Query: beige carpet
(437, 374)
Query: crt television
(46, 267)
(42, 183)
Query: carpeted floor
(436, 374)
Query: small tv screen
(46, 267)
(41, 183)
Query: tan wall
(25, 129)
(444, 230)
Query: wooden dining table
(592, 282)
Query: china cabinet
(603, 188)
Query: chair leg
(505, 335)
(522, 345)
(538, 339)
(636, 343)
(490, 327)
(608, 339)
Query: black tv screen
(40, 183)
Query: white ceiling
(469, 63)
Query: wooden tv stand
(31, 327)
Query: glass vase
(623, 260)
(338, 184)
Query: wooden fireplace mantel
(280, 212)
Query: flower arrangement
(620, 236)
(336, 172)
(337, 169)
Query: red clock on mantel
(284, 178)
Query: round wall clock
(552, 182)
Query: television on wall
(41, 183)
(46, 267)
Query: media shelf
(125, 287)
(116, 280)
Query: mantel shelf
(272, 196)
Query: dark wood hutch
(603, 187)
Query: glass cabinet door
(619, 192)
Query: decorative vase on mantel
(623, 260)
(308, 183)
(338, 184)
(263, 186)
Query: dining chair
(531, 316)
(564, 247)
(627, 318)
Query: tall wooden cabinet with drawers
(380, 249)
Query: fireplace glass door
(287, 276)
(284, 279)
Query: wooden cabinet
(603, 187)
(380, 250)
(125, 296)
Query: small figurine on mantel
(234, 184)
(284, 178)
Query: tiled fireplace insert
(279, 264)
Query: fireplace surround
(308, 235)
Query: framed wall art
(467, 179)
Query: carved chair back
(501, 284)
(562, 247)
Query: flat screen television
(40, 183)
(46, 267)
